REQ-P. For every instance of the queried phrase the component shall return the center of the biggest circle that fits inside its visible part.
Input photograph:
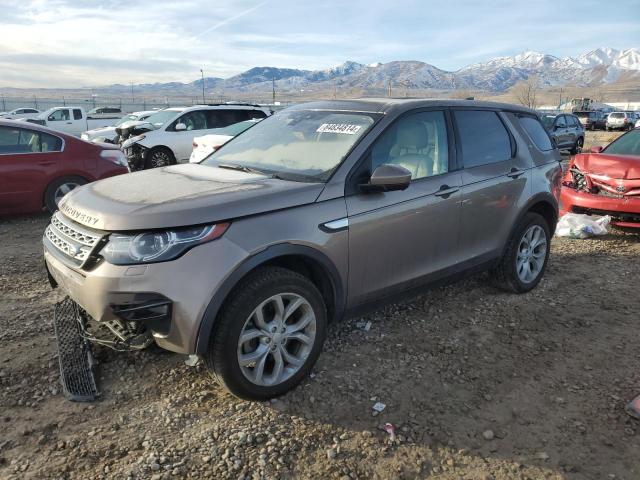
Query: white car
(637, 123)
(109, 134)
(171, 139)
(19, 113)
(207, 144)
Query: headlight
(151, 247)
(84, 136)
(115, 156)
(132, 140)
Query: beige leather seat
(412, 149)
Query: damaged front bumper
(135, 154)
(624, 210)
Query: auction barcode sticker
(338, 128)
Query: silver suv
(320, 211)
(620, 120)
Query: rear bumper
(624, 211)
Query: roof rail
(227, 104)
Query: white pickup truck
(71, 120)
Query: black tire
(51, 194)
(505, 274)
(577, 147)
(159, 157)
(222, 356)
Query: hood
(137, 125)
(106, 132)
(181, 195)
(620, 167)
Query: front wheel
(269, 334)
(525, 258)
(159, 157)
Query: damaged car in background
(166, 138)
(112, 133)
(207, 144)
(606, 181)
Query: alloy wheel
(160, 159)
(63, 189)
(532, 253)
(276, 339)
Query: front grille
(75, 242)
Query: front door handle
(515, 173)
(69, 123)
(445, 191)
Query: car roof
(389, 105)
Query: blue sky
(72, 43)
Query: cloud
(96, 42)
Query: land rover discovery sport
(315, 213)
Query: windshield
(628, 144)
(298, 144)
(162, 117)
(616, 115)
(126, 118)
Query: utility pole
(560, 102)
(4, 105)
(335, 89)
(389, 88)
(202, 73)
(35, 102)
(273, 90)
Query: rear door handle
(515, 173)
(69, 123)
(445, 191)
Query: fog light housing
(152, 309)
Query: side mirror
(387, 178)
(180, 127)
(596, 149)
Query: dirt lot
(480, 385)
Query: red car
(38, 166)
(606, 181)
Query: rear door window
(77, 114)
(18, 140)
(483, 138)
(536, 132)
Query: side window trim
(459, 156)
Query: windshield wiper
(240, 168)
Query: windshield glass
(616, 115)
(126, 118)
(162, 117)
(298, 144)
(627, 144)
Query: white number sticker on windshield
(338, 128)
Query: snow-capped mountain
(600, 66)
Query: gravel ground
(480, 384)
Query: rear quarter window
(536, 132)
(483, 138)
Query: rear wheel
(577, 147)
(159, 157)
(526, 256)
(268, 335)
(58, 189)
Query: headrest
(412, 134)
